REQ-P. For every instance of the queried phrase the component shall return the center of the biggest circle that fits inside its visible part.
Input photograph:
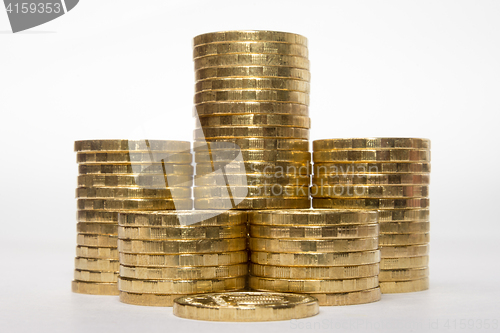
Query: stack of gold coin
(168, 254)
(122, 175)
(331, 254)
(389, 174)
(251, 103)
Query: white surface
(379, 68)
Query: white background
(379, 68)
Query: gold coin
(250, 180)
(136, 169)
(404, 286)
(92, 264)
(312, 286)
(315, 232)
(253, 83)
(253, 71)
(176, 260)
(371, 143)
(97, 228)
(131, 145)
(249, 35)
(374, 179)
(256, 120)
(148, 299)
(339, 168)
(182, 232)
(251, 131)
(404, 227)
(404, 239)
(96, 240)
(338, 272)
(183, 218)
(97, 252)
(370, 191)
(359, 203)
(182, 246)
(250, 47)
(246, 306)
(404, 215)
(139, 156)
(253, 155)
(133, 193)
(146, 181)
(276, 169)
(250, 59)
(134, 204)
(350, 298)
(180, 286)
(316, 259)
(94, 288)
(95, 216)
(274, 190)
(253, 203)
(96, 276)
(233, 108)
(403, 274)
(365, 155)
(307, 217)
(253, 144)
(251, 95)
(404, 251)
(183, 273)
(404, 262)
(324, 246)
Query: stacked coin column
(164, 255)
(122, 175)
(390, 174)
(252, 94)
(330, 254)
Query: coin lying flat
(251, 131)
(358, 168)
(318, 217)
(139, 156)
(404, 262)
(253, 203)
(404, 251)
(404, 274)
(371, 143)
(97, 228)
(253, 71)
(176, 260)
(133, 145)
(182, 232)
(253, 83)
(274, 190)
(316, 259)
(256, 120)
(276, 169)
(325, 246)
(249, 35)
(249, 59)
(315, 232)
(92, 264)
(148, 299)
(249, 107)
(251, 95)
(133, 193)
(259, 47)
(182, 246)
(96, 216)
(330, 273)
(374, 179)
(404, 239)
(254, 143)
(96, 240)
(363, 203)
(246, 306)
(312, 286)
(143, 181)
(96, 276)
(370, 191)
(97, 252)
(181, 286)
(404, 286)
(133, 204)
(404, 227)
(182, 218)
(349, 298)
(94, 288)
(183, 273)
(404, 215)
(251, 180)
(386, 155)
(254, 155)
(135, 169)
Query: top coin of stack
(122, 175)
(390, 174)
(251, 103)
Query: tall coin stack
(251, 103)
(330, 254)
(168, 254)
(122, 175)
(389, 174)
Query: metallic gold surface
(140, 156)
(246, 306)
(365, 155)
(333, 272)
(403, 239)
(94, 288)
(97, 228)
(404, 227)
(259, 47)
(256, 120)
(315, 232)
(251, 180)
(316, 259)
(254, 155)
(254, 144)
(324, 246)
(274, 190)
(253, 203)
(357, 168)
(182, 246)
(183, 273)
(133, 204)
(148, 299)
(371, 143)
(278, 169)
(136, 169)
(180, 286)
(147, 181)
(96, 216)
(249, 35)
(404, 251)
(312, 286)
(370, 191)
(350, 298)
(132, 193)
(182, 232)
(249, 59)
(96, 276)
(404, 274)
(176, 260)
(132, 145)
(96, 240)
(404, 262)
(374, 179)
(360, 203)
(182, 218)
(251, 131)
(253, 71)
(404, 286)
(318, 217)
(93, 252)
(233, 108)
(92, 264)
(404, 215)
(253, 83)
(251, 95)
